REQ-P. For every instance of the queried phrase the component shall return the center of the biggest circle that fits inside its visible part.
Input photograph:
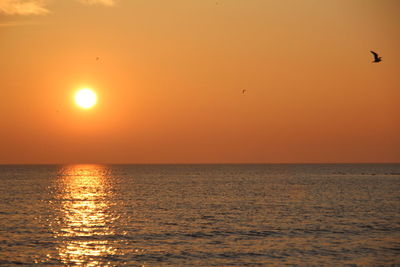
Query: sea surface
(200, 215)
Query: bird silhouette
(244, 91)
(377, 58)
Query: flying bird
(244, 91)
(377, 58)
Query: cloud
(98, 2)
(18, 23)
(21, 7)
(38, 7)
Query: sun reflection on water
(85, 225)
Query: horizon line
(205, 163)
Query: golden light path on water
(86, 219)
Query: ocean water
(201, 215)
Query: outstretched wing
(375, 55)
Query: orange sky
(170, 76)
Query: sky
(170, 76)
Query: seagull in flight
(377, 58)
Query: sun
(85, 98)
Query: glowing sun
(85, 98)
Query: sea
(200, 215)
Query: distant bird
(377, 58)
(244, 91)
(97, 58)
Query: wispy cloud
(98, 2)
(18, 23)
(38, 7)
(21, 7)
